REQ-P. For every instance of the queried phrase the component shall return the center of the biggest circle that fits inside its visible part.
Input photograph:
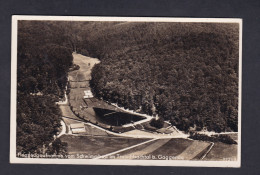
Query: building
(77, 128)
(88, 94)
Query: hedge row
(214, 138)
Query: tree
(157, 123)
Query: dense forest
(44, 58)
(186, 73)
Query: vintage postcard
(126, 91)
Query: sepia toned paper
(134, 91)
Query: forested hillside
(44, 57)
(184, 72)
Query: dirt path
(124, 149)
(210, 133)
(63, 131)
(210, 148)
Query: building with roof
(88, 94)
(77, 128)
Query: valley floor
(100, 143)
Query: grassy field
(94, 102)
(166, 149)
(70, 121)
(234, 136)
(86, 64)
(84, 84)
(143, 150)
(147, 126)
(66, 112)
(134, 150)
(193, 150)
(76, 94)
(97, 145)
(91, 130)
(222, 151)
(172, 148)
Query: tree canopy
(188, 72)
(44, 59)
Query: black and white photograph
(126, 91)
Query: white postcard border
(14, 159)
